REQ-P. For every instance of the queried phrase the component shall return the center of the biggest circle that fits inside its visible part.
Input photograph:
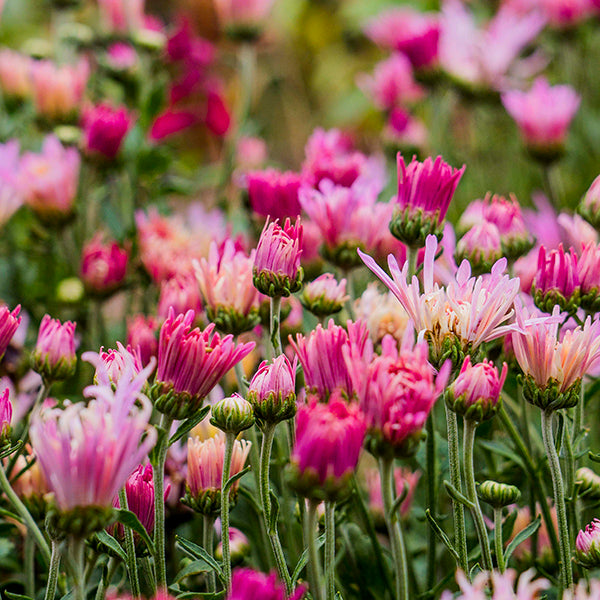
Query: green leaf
(129, 519)
(304, 559)
(153, 454)
(456, 495)
(13, 596)
(559, 431)
(440, 534)
(197, 566)
(189, 424)
(522, 536)
(594, 457)
(196, 551)
(11, 449)
(399, 500)
(500, 449)
(237, 476)
(110, 542)
(274, 512)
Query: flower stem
(130, 549)
(207, 544)
(411, 257)
(566, 568)
(159, 504)
(458, 511)
(229, 440)
(53, 571)
(77, 548)
(330, 550)
(105, 580)
(25, 515)
(468, 444)
(432, 474)
(265, 498)
(314, 570)
(394, 529)
(275, 325)
(29, 564)
(498, 539)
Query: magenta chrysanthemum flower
(274, 194)
(180, 292)
(322, 359)
(9, 323)
(6, 412)
(190, 363)
(122, 360)
(87, 451)
(396, 391)
(556, 280)
(543, 115)
(247, 584)
(588, 273)
(329, 438)
(276, 269)
(54, 355)
(103, 265)
(104, 129)
(587, 545)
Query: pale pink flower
(504, 586)
(251, 153)
(403, 130)
(58, 90)
(392, 83)
(142, 335)
(49, 179)
(180, 292)
(242, 15)
(543, 114)
(403, 476)
(584, 590)
(15, 74)
(559, 13)
(11, 197)
(122, 360)
(54, 355)
(122, 57)
(481, 245)
(324, 295)
(122, 16)
(87, 451)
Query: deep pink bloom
(9, 322)
(184, 46)
(87, 451)
(49, 179)
(170, 122)
(322, 359)
(396, 391)
(217, 117)
(54, 354)
(408, 31)
(557, 272)
(403, 130)
(142, 335)
(190, 361)
(559, 13)
(103, 265)
(181, 292)
(274, 379)
(426, 187)
(392, 83)
(58, 91)
(104, 129)
(6, 412)
(588, 269)
(247, 584)
(543, 114)
(274, 194)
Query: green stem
(229, 441)
(411, 257)
(25, 515)
(534, 474)
(159, 504)
(394, 529)
(330, 550)
(53, 571)
(29, 565)
(130, 549)
(314, 570)
(499, 547)
(265, 498)
(207, 544)
(77, 548)
(566, 568)
(549, 188)
(105, 581)
(458, 510)
(275, 326)
(470, 428)
(432, 475)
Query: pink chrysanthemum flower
(190, 363)
(15, 75)
(180, 292)
(11, 198)
(104, 129)
(396, 391)
(329, 438)
(556, 280)
(403, 476)
(276, 270)
(587, 545)
(554, 368)
(584, 590)
(122, 16)
(54, 355)
(243, 19)
(142, 334)
(87, 451)
(225, 281)
(9, 323)
(481, 246)
(122, 360)
(458, 319)
(543, 115)
(103, 265)
(324, 296)
(274, 194)
(322, 359)
(588, 273)
(247, 584)
(6, 413)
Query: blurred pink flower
(243, 16)
(6, 413)
(120, 361)
(122, 16)
(121, 56)
(104, 129)
(54, 355)
(403, 476)
(247, 584)
(251, 153)
(274, 194)
(142, 335)
(103, 265)
(15, 75)
(180, 292)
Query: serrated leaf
(303, 560)
(197, 566)
(456, 495)
(110, 542)
(237, 476)
(196, 552)
(129, 519)
(521, 537)
(440, 534)
(189, 424)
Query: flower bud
(104, 129)
(272, 391)
(550, 397)
(587, 545)
(9, 322)
(475, 394)
(588, 271)
(54, 355)
(498, 494)
(324, 296)
(6, 411)
(103, 266)
(589, 207)
(481, 246)
(589, 483)
(232, 415)
(239, 546)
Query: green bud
(232, 415)
(498, 494)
